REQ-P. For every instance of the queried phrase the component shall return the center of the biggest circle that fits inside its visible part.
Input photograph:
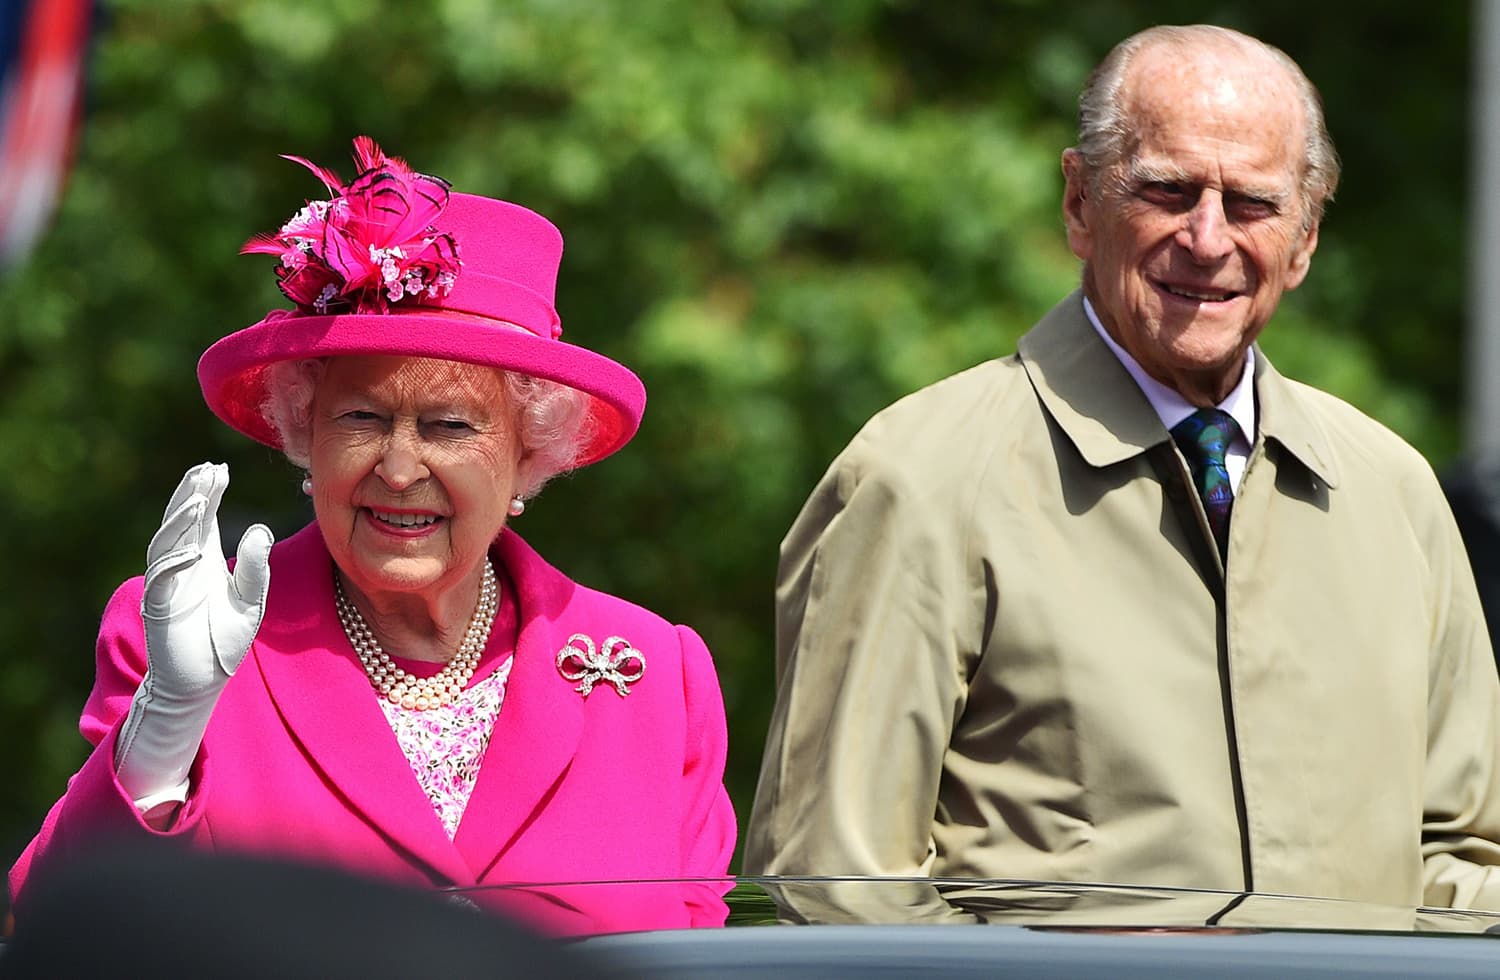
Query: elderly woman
(404, 687)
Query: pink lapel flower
(371, 246)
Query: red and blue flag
(43, 47)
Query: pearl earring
(517, 506)
(307, 485)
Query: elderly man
(1128, 605)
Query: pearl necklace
(395, 684)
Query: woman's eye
(360, 415)
(454, 425)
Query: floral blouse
(446, 745)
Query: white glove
(200, 621)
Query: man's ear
(1302, 258)
(1076, 204)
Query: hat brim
(233, 372)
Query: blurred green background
(783, 214)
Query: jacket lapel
(324, 697)
(541, 721)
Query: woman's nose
(400, 464)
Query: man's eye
(1165, 192)
(360, 415)
(1250, 208)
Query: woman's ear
(525, 474)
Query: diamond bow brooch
(615, 661)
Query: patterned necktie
(1204, 438)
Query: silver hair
(1105, 130)
(552, 421)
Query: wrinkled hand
(200, 621)
(199, 618)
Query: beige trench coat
(1006, 647)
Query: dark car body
(890, 927)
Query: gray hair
(1104, 129)
(552, 420)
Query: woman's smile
(403, 523)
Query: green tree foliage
(783, 213)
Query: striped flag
(42, 48)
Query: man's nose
(1205, 235)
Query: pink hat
(395, 264)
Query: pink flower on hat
(371, 246)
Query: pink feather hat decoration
(393, 263)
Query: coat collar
(1096, 403)
(1286, 419)
(324, 696)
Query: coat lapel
(541, 721)
(1086, 389)
(324, 697)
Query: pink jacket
(298, 760)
